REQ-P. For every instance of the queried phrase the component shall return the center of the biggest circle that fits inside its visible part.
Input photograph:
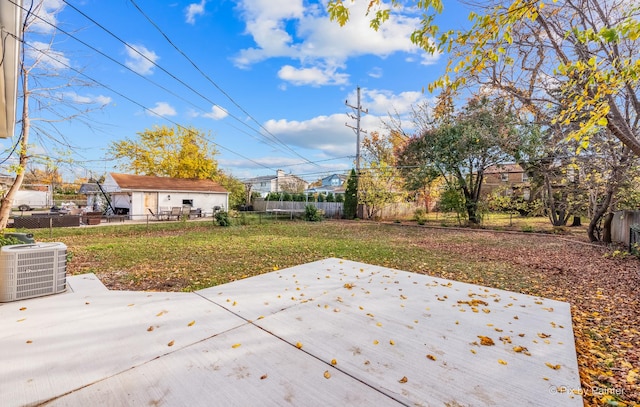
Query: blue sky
(267, 79)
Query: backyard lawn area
(602, 284)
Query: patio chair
(186, 211)
(175, 212)
(156, 216)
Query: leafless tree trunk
(51, 99)
(23, 158)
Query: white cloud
(162, 109)
(44, 20)
(314, 76)
(217, 113)
(330, 134)
(383, 102)
(193, 10)
(326, 133)
(285, 28)
(140, 59)
(76, 98)
(375, 72)
(42, 52)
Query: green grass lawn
(506, 221)
(190, 256)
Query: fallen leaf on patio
(161, 313)
(327, 375)
(431, 357)
(404, 379)
(348, 286)
(23, 308)
(150, 328)
(543, 335)
(235, 345)
(554, 367)
(334, 362)
(264, 376)
(170, 343)
(298, 345)
(375, 342)
(391, 342)
(191, 323)
(29, 341)
(486, 341)
(22, 319)
(502, 362)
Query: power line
(213, 82)
(307, 161)
(124, 66)
(139, 104)
(181, 81)
(129, 69)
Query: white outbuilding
(139, 196)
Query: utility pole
(358, 114)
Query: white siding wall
(109, 184)
(121, 200)
(205, 201)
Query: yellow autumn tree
(379, 181)
(171, 152)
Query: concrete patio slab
(57, 344)
(244, 366)
(383, 337)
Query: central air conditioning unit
(32, 270)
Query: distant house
(332, 184)
(511, 178)
(281, 182)
(140, 195)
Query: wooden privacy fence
(331, 209)
(621, 224)
(400, 210)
